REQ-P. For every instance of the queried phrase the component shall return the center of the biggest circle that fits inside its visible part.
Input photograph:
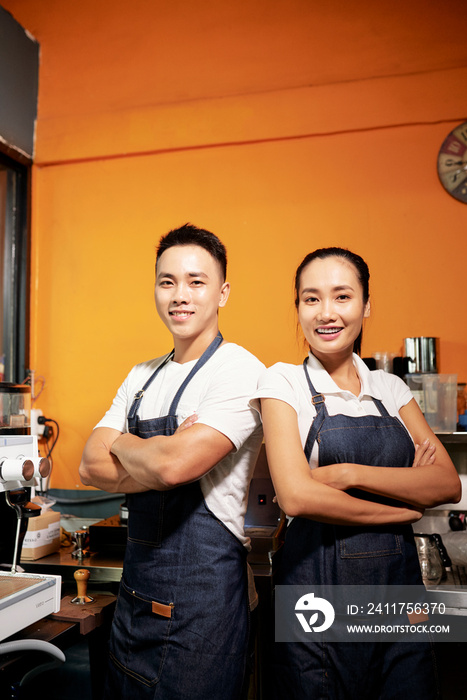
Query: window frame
(16, 270)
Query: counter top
(452, 591)
(452, 438)
(104, 567)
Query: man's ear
(225, 291)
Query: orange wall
(275, 174)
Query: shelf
(452, 438)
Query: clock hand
(458, 172)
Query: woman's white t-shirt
(288, 383)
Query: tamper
(81, 577)
(80, 537)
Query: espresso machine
(20, 467)
(24, 598)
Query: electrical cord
(42, 420)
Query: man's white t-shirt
(219, 393)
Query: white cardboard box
(42, 536)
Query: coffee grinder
(20, 467)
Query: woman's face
(331, 307)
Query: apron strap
(207, 354)
(313, 434)
(381, 407)
(317, 399)
(139, 394)
(318, 402)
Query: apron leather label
(415, 617)
(161, 609)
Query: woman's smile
(330, 332)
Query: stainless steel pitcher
(423, 354)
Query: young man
(181, 440)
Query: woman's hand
(342, 476)
(424, 454)
(415, 514)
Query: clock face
(452, 163)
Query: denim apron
(323, 553)
(181, 623)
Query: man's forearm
(108, 478)
(141, 460)
(103, 470)
(163, 462)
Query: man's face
(189, 291)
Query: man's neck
(192, 348)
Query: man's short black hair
(192, 235)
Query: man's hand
(187, 423)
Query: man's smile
(181, 314)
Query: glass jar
(15, 409)
(461, 398)
(429, 557)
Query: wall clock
(452, 163)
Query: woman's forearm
(432, 479)
(321, 502)
(424, 487)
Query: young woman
(380, 466)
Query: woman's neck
(342, 371)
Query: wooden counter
(106, 571)
(63, 629)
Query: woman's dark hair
(361, 268)
(192, 235)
